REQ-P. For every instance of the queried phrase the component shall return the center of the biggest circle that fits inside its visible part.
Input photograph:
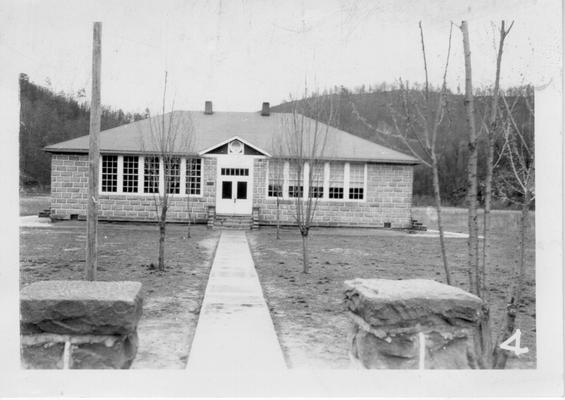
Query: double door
(234, 189)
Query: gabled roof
(211, 130)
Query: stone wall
(69, 192)
(79, 324)
(413, 324)
(388, 200)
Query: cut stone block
(42, 355)
(413, 323)
(116, 353)
(389, 302)
(80, 307)
(47, 351)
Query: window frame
(141, 160)
(326, 182)
(360, 184)
(132, 177)
(277, 182)
(155, 160)
(188, 177)
(174, 178)
(114, 182)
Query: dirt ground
(172, 298)
(308, 312)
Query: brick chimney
(208, 107)
(266, 109)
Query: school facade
(232, 165)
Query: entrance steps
(417, 226)
(239, 222)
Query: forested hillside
(46, 118)
(364, 112)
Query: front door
(234, 187)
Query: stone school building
(233, 167)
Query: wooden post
(93, 158)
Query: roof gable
(222, 148)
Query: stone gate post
(414, 323)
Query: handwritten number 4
(516, 348)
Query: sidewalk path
(235, 331)
(33, 221)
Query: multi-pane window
(336, 181)
(276, 178)
(316, 180)
(172, 175)
(295, 178)
(109, 173)
(194, 176)
(151, 175)
(130, 174)
(356, 181)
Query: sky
(239, 53)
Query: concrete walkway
(235, 331)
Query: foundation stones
(413, 323)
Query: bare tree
(517, 179)
(193, 169)
(305, 136)
(169, 139)
(472, 186)
(276, 179)
(276, 176)
(491, 129)
(416, 124)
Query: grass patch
(308, 310)
(172, 298)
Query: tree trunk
(305, 255)
(473, 243)
(188, 214)
(437, 196)
(278, 218)
(486, 327)
(162, 234)
(490, 161)
(501, 356)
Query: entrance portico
(234, 175)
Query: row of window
(330, 180)
(329, 177)
(150, 181)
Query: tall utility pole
(93, 158)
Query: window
(295, 177)
(336, 181)
(194, 176)
(235, 171)
(151, 175)
(317, 180)
(356, 181)
(109, 173)
(276, 178)
(131, 174)
(172, 175)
